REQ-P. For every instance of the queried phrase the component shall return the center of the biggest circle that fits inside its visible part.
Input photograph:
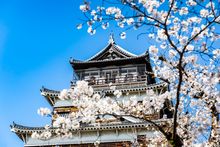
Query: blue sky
(37, 39)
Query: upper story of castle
(128, 72)
(115, 65)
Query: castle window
(92, 80)
(132, 71)
(141, 70)
(94, 74)
(129, 78)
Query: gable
(112, 51)
(111, 54)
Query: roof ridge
(91, 61)
(99, 52)
(111, 42)
(124, 51)
(43, 89)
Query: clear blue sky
(37, 38)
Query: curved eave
(76, 64)
(50, 95)
(148, 87)
(133, 89)
(122, 50)
(20, 129)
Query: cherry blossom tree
(185, 56)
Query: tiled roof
(50, 95)
(25, 129)
(112, 45)
(49, 91)
(140, 87)
(73, 61)
(120, 55)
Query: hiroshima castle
(129, 74)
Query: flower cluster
(44, 111)
(42, 136)
(85, 7)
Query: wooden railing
(116, 80)
(121, 82)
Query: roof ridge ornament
(111, 38)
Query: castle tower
(127, 72)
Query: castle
(128, 73)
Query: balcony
(121, 82)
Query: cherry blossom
(123, 35)
(153, 49)
(43, 111)
(85, 7)
(204, 13)
(79, 26)
(43, 136)
(130, 21)
(105, 25)
(183, 11)
(91, 31)
(172, 53)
